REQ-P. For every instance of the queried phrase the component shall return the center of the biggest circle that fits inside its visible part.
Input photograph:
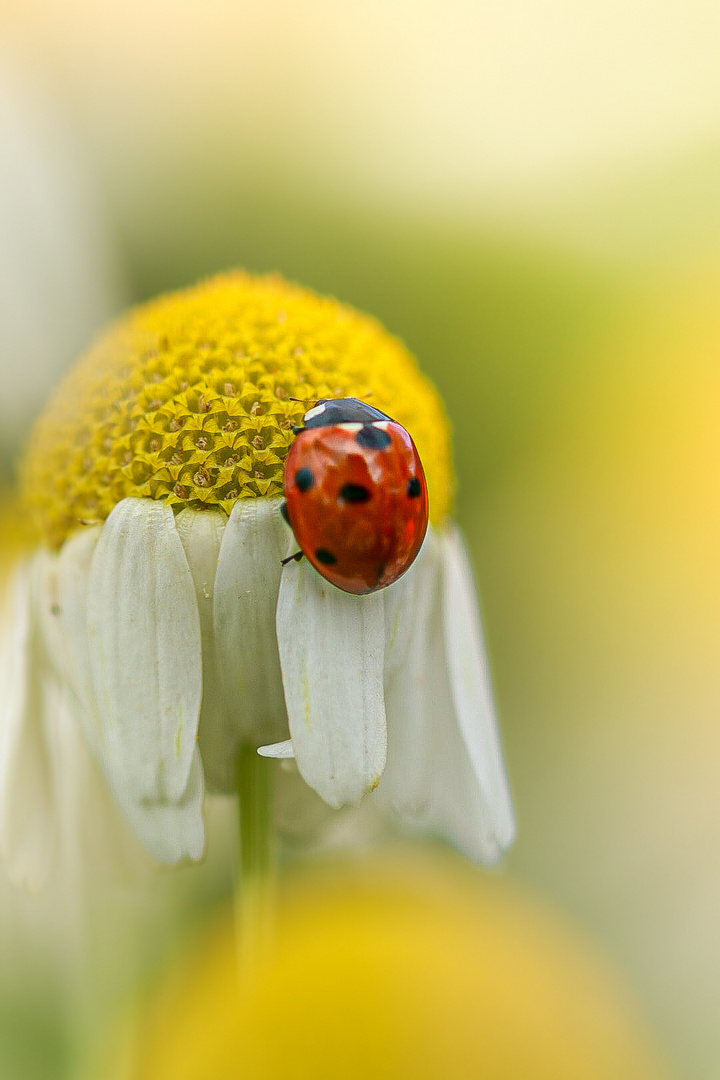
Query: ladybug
(356, 496)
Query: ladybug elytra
(356, 496)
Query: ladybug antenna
(314, 401)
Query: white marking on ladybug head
(317, 410)
(382, 424)
(354, 427)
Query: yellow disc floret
(188, 399)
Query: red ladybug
(356, 495)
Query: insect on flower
(356, 495)
(159, 624)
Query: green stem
(255, 888)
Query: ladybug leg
(298, 554)
(293, 558)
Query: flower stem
(255, 887)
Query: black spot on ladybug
(413, 487)
(304, 480)
(374, 438)
(354, 493)
(324, 556)
(284, 512)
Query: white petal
(456, 810)
(400, 601)
(94, 830)
(145, 657)
(331, 652)
(67, 633)
(201, 533)
(27, 825)
(412, 608)
(431, 785)
(174, 831)
(246, 589)
(282, 750)
(471, 689)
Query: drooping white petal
(412, 607)
(201, 533)
(245, 597)
(431, 786)
(400, 603)
(174, 831)
(471, 690)
(145, 658)
(27, 822)
(283, 750)
(67, 630)
(331, 653)
(456, 809)
(94, 830)
(431, 783)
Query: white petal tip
(166, 837)
(277, 750)
(171, 832)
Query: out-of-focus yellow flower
(415, 969)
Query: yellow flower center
(188, 399)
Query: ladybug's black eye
(304, 480)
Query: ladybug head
(348, 410)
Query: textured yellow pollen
(188, 400)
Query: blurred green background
(528, 196)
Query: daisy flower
(157, 615)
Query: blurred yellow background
(528, 195)
(391, 967)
